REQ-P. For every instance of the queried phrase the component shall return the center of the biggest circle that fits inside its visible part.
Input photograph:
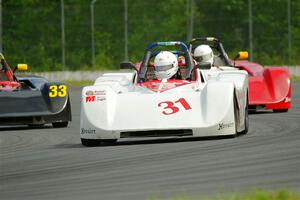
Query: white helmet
(204, 54)
(166, 65)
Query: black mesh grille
(157, 133)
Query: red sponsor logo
(90, 98)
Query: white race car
(135, 104)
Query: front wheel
(60, 124)
(246, 120)
(280, 110)
(97, 142)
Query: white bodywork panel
(116, 104)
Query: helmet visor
(203, 58)
(163, 67)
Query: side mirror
(242, 55)
(22, 67)
(127, 65)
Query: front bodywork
(124, 105)
(35, 102)
(269, 88)
(116, 106)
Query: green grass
(296, 78)
(80, 83)
(255, 195)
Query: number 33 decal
(170, 108)
(57, 91)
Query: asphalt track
(52, 164)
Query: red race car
(269, 88)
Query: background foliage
(32, 30)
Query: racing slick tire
(60, 124)
(235, 116)
(246, 120)
(97, 142)
(280, 110)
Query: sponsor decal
(87, 131)
(95, 95)
(99, 92)
(89, 93)
(227, 125)
(101, 98)
(94, 98)
(95, 92)
(90, 98)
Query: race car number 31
(170, 107)
(57, 91)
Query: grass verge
(80, 83)
(296, 78)
(255, 195)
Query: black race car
(32, 100)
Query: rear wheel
(280, 110)
(97, 142)
(246, 120)
(60, 124)
(235, 115)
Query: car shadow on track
(69, 146)
(259, 112)
(145, 141)
(23, 127)
(169, 140)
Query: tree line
(32, 30)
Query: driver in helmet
(166, 65)
(203, 54)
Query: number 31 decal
(170, 108)
(57, 91)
